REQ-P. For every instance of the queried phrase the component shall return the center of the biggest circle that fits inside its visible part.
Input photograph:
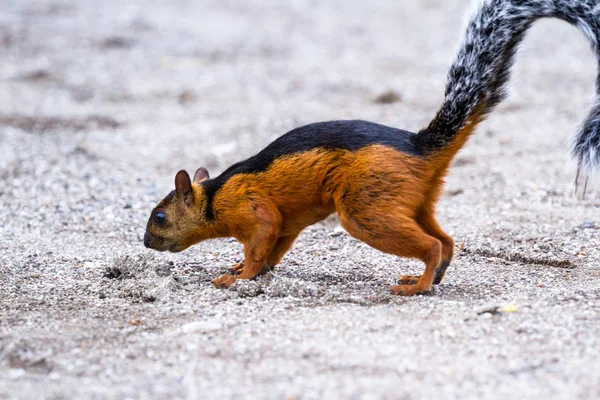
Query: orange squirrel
(383, 182)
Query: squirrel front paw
(237, 268)
(224, 281)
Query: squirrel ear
(183, 185)
(201, 175)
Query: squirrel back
(478, 77)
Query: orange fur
(384, 197)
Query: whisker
(141, 226)
(136, 224)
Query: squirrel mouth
(158, 243)
(154, 242)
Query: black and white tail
(477, 79)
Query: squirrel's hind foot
(408, 280)
(408, 290)
(440, 272)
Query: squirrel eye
(159, 217)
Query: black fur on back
(345, 135)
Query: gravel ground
(102, 102)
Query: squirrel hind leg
(429, 224)
(398, 235)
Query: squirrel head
(179, 221)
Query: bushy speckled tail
(477, 79)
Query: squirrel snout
(151, 241)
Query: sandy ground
(101, 102)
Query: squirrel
(383, 182)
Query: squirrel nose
(147, 240)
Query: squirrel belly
(383, 182)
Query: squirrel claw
(224, 281)
(237, 268)
(408, 280)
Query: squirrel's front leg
(257, 248)
(255, 258)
